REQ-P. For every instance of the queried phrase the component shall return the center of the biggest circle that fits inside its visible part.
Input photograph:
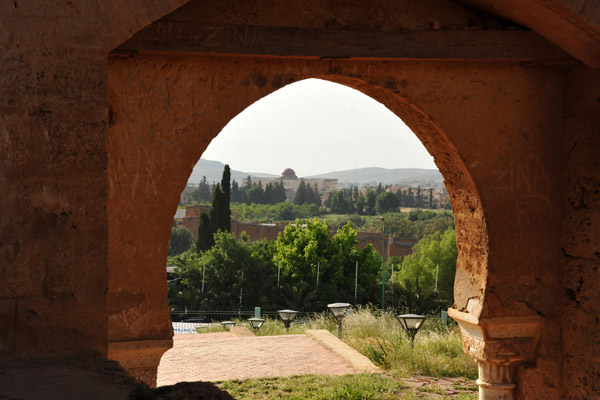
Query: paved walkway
(223, 356)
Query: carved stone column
(498, 344)
(140, 358)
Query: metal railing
(224, 314)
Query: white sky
(315, 126)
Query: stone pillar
(499, 345)
(140, 358)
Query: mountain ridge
(213, 171)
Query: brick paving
(223, 356)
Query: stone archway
(520, 112)
(164, 113)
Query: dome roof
(288, 173)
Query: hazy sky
(314, 127)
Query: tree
(430, 198)
(414, 298)
(304, 250)
(436, 249)
(255, 195)
(181, 240)
(299, 297)
(386, 202)
(300, 197)
(225, 212)
(237, 195)
(220, 210)
(285, 211)
(233, 269)
(419, 201)
(359, 204)
(205, 235)
(370, 202)
(339, 204)
(202, 192)
(409, 200)
(279, 193)
(268, 195)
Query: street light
(256, 323)
(287, 316)
(227, 324)
(411, 323)
(338, 310)
(382, 262)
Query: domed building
(288, 173)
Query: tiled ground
(223, 356)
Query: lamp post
(411, 323)
(227, 324)
(287, 316)
(382, 262)
(256, 323)
(339, 311)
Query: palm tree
(298, 297)
(416, 299)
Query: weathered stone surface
(580, 240)
(95, 149)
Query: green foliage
(205, 235)
(304, 249)
(419, 268)
(412, 297)
(181, 240)
(231, 268)
(220, 213)
(370, 202)
(299, 297)
(187, 293)
(341, 202)
(265, 213)
(202, 194)
(386, 202)
(399, 224)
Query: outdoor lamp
(338, 310)
(411, 323)
(287, 316)
(256, 323)
(227, 324)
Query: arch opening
(168, 137)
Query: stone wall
(580, 240)
(95, 150)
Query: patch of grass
(348, 387)
(437, 351)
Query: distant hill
(352, 177)
(213, 170)
(398, 176)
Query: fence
(187, 321)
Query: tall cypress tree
(205, 236)
(225, 214)
(300, 197)
(430, 197)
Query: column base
(140, 358)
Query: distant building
(288, 173)
(291, 182)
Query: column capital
(498, 344)
(499, 340)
